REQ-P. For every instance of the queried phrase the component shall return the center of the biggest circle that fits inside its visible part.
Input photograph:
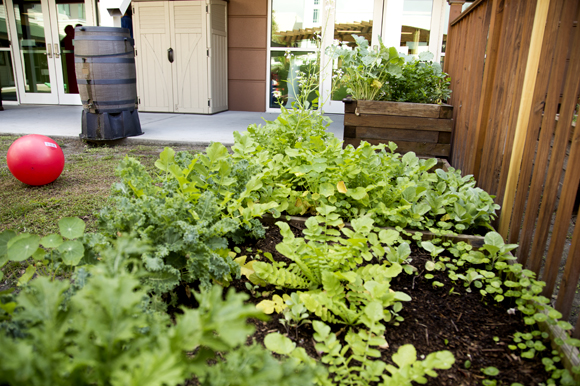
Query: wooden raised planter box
(422, 128)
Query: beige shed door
(152, 40)
(171, 56)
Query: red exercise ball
(35, 159)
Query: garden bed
(446, 318)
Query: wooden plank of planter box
(475, 241)
(420, 148)
(396, 134)
(396, 122)
(400, 109)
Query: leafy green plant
(366, 70)
(345, 295)
(51, 255)
(360, 347)
(381, 74)
(188, 214)
(252, 365)
(295, 313)
(421, 81)
(324, 250)
(102, 330)
(305, 168)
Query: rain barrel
(106, 78)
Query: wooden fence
(515, 71)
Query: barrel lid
(102, 29)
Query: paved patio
(65, 121)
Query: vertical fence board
(538, 102)
(524, 83)
(491, 57)
(544, 143)
(570, 279)
(484, 14)
(556, 161)
(571, 178)
(502, 101)
(458, 107)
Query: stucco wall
(247, 34)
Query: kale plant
(188, 213)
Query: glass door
(347, 18)
(7, 84)
(300, 31)
(44, 50)
(65, 16)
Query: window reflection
(353, 18)
(285, 73)
(70, 14)
(415, 31)
(295, 23)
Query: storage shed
(181, 56)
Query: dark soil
(436, 319)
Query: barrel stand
(110, 126)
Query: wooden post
(524, 113)
(455, 9)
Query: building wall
(247, 44)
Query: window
(315, 16)
(316, 2)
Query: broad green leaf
(495, 239)
(426, 56)
(4, 238)
(430, 265)
(406, 356)
(554, 314)
(7, 307)
(254, 184)
(216, 151)
(72, 252)
(540, 317)
(25, 278)
(388, 236)
(428, 246)
(358, 193)
(326, 189)
(363, 224)
(71, 227)
(322, 330)
(410, 158)
(23, 248)
(166, 158)
(403, 250)
(269, 306)
(374, 311)
(39, 254)
(279, 344)
(402, 297)
(51, 241)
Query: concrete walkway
(65, 121)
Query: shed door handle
(49, 50)
(170, 55)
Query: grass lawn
(81, 190)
